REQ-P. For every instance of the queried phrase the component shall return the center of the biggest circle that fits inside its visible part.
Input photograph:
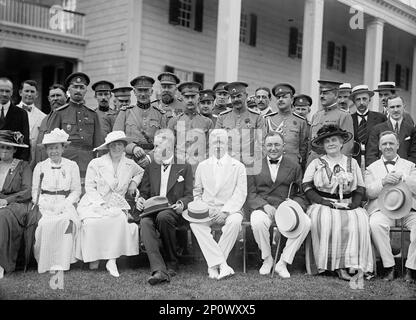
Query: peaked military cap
(168, 78)
(302, 100)
(77, 78)
(236, 87)
(189, 88)
(142, 82)
(283, 88)
(206, 94)
(122, 91)
(102, 85)
(328, 85)
(219, 87)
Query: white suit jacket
(377, 171)
(230, 193)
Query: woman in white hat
(15, 184)
(105, 231)
(57, 183)
(339, 226)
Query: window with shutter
(293, 41)
(243, 27)
(336, 57)
(398, 75)
(248, 28)
(344, 59)
(199, 15)
(384, 76)
(174, 6)
(330, 55)
(169, 69)
(199, 77)
(187, 13)
(253, 30)
(407, 80)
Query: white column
(412, 107)
(228, 40)
(313, 19)
(373, 56)
(134, 39)
(79, 65)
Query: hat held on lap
(155, 205)
(290, 218)
(198, 212)
(395, 201)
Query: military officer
(141, 121)
(330, 114)
(79, 121)
(107, 116)
(190, 127)
(222, 98)
(245, 127)
(122, 98)
(169, 102)
(206, 104)
(292, 126)
(302, 104)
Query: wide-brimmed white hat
(198, 211)
(290, 218)
(112, 137)
(395, 201)
(56, 136)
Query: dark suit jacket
(176, 191)
(17, 120)
(407, 140)
(262, 190)
(373, 119)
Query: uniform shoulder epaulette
(179, 99)
(155, 101)
(215, 116)
(124, 108)
(62, 107)
(225, 112)
(179, 115)
(271, 114)
(159, 109)
(254, 111)
(90, 108)
(340, 109)
(299, 116)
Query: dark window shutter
(199, 15)
(253, 30)
(407, 86)
(386, 71)
(169, 69)
(293, 42)
(174, 11)
(344, 59)
(199, 77)
(330, 55)
(398, 75)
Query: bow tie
(390, 162)
(57, 168)
(274, 161)
(165, 166)
(27, 108)
(362, 115)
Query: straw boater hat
(12, 138)
(56, 136)
(362, 88)
(330, 130)
(112, 137)
(198, 211)
(395, 201)
(290, 218)
(155, 205)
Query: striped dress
(339, 238)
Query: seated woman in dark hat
(340, 228)
(15, 195)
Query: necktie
(2, 120)
(396, 128)
(362, 129)
(390, 162)
(274, 161)
(165, 166)
(27, 108)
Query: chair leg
(277, 251)
(244, 250)
(402, 246)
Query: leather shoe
(225, 271)
(343, 274)
(281, 270)
(213, 272)
(158, 277)
(408, 277)
(267, 266)
(172, 269)
(389, 274)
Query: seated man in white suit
(220, 182)
(391, 170)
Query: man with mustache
(122, 98)
(79, 121)
(363, 120)
(330, 114)
(105, 114)
(385, 90)
(263, 97)
(140, 122)
(206, 104)
(57, 98)
(245, 126)
(344, 101)
(169, 102)
(396, 123)
(292, 126)
(222, 98)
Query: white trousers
(217, 253)
(380, 231)
(261, 222)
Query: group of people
(205, 158)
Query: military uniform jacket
(173, 109)
(336, 117)
(217, 109)
(140, 125)
(294, 129)
(107, 119)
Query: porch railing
(53, 18)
